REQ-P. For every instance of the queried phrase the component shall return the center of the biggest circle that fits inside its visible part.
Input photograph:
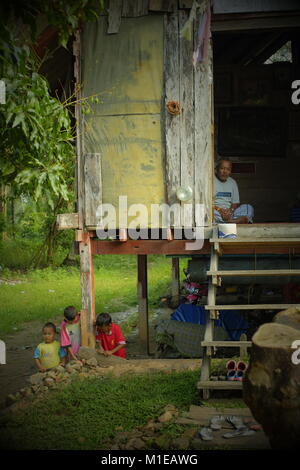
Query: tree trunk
(272, 381)
(3, 210)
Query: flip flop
(236, 422)
(216, 422)
(231, 365)
(231, 375)
(239, 433)
(205, 434)
(239, 375)
(241, 365)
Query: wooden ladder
(215, 277)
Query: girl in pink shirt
(70, 334)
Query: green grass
(84, 415)
(44, 294)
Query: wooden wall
(188, 135)
(147, 161)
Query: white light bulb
(184, 193)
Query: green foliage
(91, 410)
(65, 15)
(36, 135)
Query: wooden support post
(142, 289)
(243, 348)
(87, 291)
(175, 281)
(209, 328)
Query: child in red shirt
(109, 337)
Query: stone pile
(92, 364)
(42, 382)
(152, 435)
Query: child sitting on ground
(109, 337)
(49, 354)
(70, 337)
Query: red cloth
(112, 340)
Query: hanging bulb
(184, 193)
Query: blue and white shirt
(226, 193)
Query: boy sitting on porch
(227, 207)
(109, 337)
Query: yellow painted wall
(126, 70)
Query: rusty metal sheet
(132, 158)
(125, 70)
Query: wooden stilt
(209, 329)
(175, 281)
(87, 291)
(142, 289)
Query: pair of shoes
(236, 371)
(240, 428)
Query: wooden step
(271, 241)
(226, 344)
(256, 272)
(220, 385)
(252, 307)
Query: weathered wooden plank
(185, 3)
(219, 385)
(204, 134)
(207, 233)
(65, 221)
(244, 24)
(162, 5)
(135, 8)
(209, 328)
(142, 289)
(255, 6)
(145, 247)
(257, 241)
(87, 290)
(186, 77)
(79, 127)
(93, 187)
(256, 272)
(268, 231)
(172, 122)
(251, 307)
(229, 344)
(114, 16)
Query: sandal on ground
(236, 422)
(216, 422)
(205, 434)
(241, 432)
